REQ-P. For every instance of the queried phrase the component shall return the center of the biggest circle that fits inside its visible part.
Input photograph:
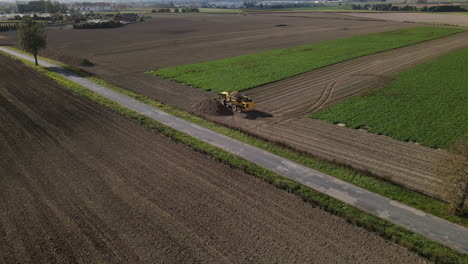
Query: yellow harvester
(236, 101)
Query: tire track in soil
(324, 98)
(83, 184)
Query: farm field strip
(249, 71)
(302, 29)
(82, 184)
(296, 95)
(394, 192)
(426, 104)
(403, 163)
(215, 39)
(393, 159)
(162, 38)
(419, 180)
(171, 54)
(129, 75)
(435, 18)
(414, 181)
(417, 221)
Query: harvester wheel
(238, 109)
(234, 108)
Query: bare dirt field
(122, 55)
(81, 184)
(441, 19)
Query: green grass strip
(414, 242)
(248, 71)
(426, 104)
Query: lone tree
(33, 36)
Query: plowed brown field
(434, 18)
(81, 184)
(122, 55)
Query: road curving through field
(432, 227)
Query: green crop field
(248, 71)
(427, 104)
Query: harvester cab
(236, 101)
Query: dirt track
(82, 184)
(122, 55)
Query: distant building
(94, 7)
(128, 17)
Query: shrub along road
(432, 227)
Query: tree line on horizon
(41, 6)
(177, 10)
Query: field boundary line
(434, 228)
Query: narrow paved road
(432, 227)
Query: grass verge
(417, 243)
(248, 71)
(363, 180)
(426, 104)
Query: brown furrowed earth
(435, 18)
(81, 184)
(122, 55)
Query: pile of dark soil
(74, 61)
(69, 60)
(86, 63)
(210, 107)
